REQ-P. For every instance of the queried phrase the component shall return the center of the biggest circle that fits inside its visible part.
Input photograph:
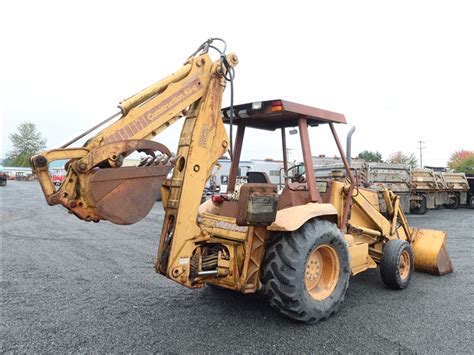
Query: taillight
(277, 106)
(217, 199)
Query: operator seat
(258, 177)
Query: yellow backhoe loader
(300, 244)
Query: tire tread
(389, 264)
(280, 276)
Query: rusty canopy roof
(273, 114)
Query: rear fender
(292, 218)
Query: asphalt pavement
(72, 286)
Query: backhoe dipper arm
(203, 140)
(95, 189)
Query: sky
(400, 71)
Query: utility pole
(421, 147)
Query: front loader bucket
(429, 251)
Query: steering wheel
(297, 176)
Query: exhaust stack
(349, 144)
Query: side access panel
(360, 259)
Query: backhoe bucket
(429, 251)
(126, 195)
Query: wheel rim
(322, 272)
(404, 265)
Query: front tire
(397, 265)
(306, 272)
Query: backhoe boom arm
(95, 190)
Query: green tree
(401, 158)
(27, 141)
(368, 155)
(462, 161)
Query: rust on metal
(255, 252)
(294, 194)
(258, 203)
(126, 195)
(112, 151)
(288, 116)
(223, 241)
(308, 161)
(98, 188)
(285, 155)
(348, 199)
(236, 158)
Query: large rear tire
(397, 265)
(306, 272)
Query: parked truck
(456, 187)
(452, 188)
(419, 189)
(428, 191)
(470, 193)
(375, 176)
(3, 177)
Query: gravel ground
(72, 286)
